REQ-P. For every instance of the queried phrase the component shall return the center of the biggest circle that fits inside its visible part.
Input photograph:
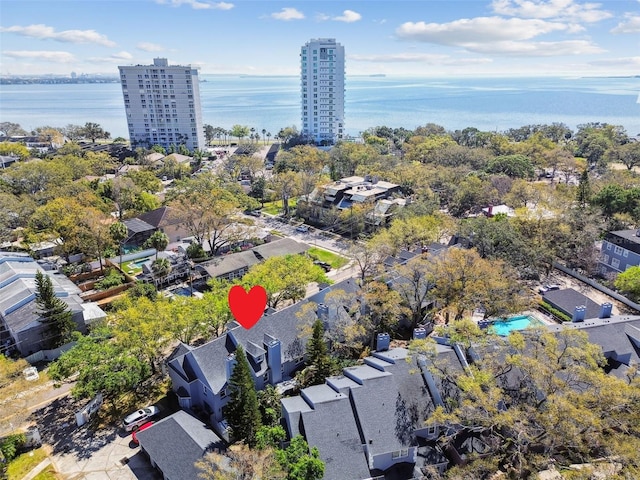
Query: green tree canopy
(628, 282)
(284, 278)
(539, 397)
(242, 412)
(101, 365)
(54, 312)
(516, 166)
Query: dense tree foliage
(98, 363)
(284, 278)
(54, 313)
(242, 411)
(535, 398)
(628, 282)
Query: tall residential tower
(322, 90)
(162, 104)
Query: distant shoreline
(88, 79)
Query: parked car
(139, 417)
(144, 426)
(324, 265)
(302, 228)
(548, 287)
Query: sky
(401, 37)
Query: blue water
(139, 263)
(273, 102)
(505, 327)
(185, 292)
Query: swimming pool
(505, 327)
(184, 291)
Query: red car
(144, 426)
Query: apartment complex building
(322, 90)
(162, 103)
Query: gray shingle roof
(176, 443)
(568, 299)
(619, 337)
(284, 246)
(282, 325)
(227, 264)
(332, 428)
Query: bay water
(273, 102)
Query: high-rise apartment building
(322, 90)
(162, 103)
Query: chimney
(274, 358)
(383, 341)
(605, 310)
(579, 313)
(490, 211)
(230, 362)
(322, 311)
(419, 333)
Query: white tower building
(162, 103)
(322, 90)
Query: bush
(112, 279)
(11, 445)
(554, 311)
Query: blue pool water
(141, 262)
(184, 291)
(505, 327)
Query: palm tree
(158, 240)
(161, 267)
(252, 130)
(264, 131)
(119, 233)
(269, 135)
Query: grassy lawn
(336, 261)
(48, 473)
(130, 266)
(274, 208)
(23, 464)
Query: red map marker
(247, 308)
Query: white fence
(48, 355)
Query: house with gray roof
(20, 325)
(620, 250)
(618, 336)
(572, 303)
(370, 420)
(274, 348)
(235, 265)
(175, 443)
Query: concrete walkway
(38, 468)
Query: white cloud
(322, 17)
(427, 58)
(477, 30)
(198, 5)
(46, 32)
(113, 58)
(631, 24)
(288, 13)
(348, 16)
(149, 47)
(568, 10)
(46, 56)
(537, 49)
(618, 62)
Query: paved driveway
(108, 456)
(89, 453)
